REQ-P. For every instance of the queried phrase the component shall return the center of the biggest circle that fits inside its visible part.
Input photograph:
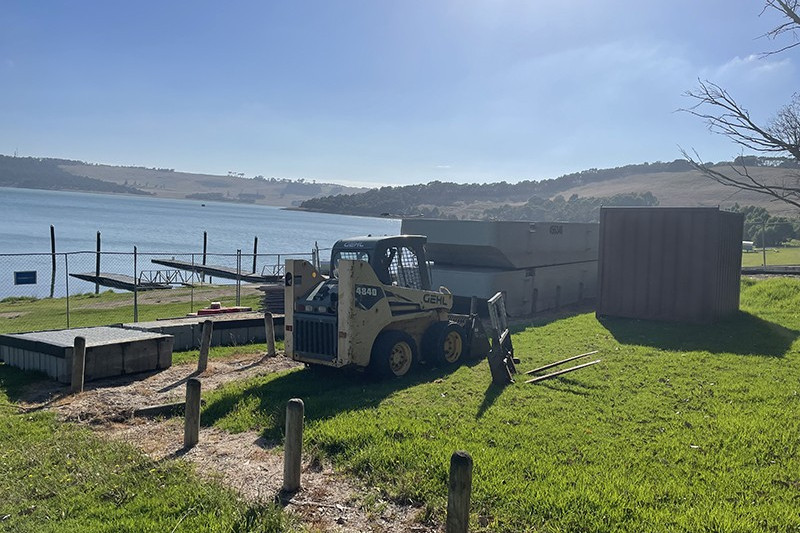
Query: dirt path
(328, 501)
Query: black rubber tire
(393, 354)
(444, 343)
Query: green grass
(19, 314)
(787, 255)
(217, 352)
(680, 428)
(58, 477)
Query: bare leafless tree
(779, 136)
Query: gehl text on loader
(376, 310)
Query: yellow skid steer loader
(376, 310)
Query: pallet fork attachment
(563, 371)
(502, 362)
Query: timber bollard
(293, 446)
(78, 364)
(205, 345)
(458, 492)
(191, 427)
(269, 326)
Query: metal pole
(97, 266)
(135, 288)
(764, 241)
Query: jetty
(120, 281)
(220, 271)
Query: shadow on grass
(326, 392)
(492, 393)
(742, 334)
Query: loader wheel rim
(400, 358)
(452, 347)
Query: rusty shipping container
(679, 264)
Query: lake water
(154, 226)
(164, 225)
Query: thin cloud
(751, 66)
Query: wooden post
(135, 287)
(458, 493)
(238, 278)
(191, 428)
(255, 252)
(97, 265)
(53, 245)
(293, 446)
(205, 345)
(53, 256)
(78, 364)
(205, 246)
(269, 326)
(205, 249)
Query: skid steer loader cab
(377, 310)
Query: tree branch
(740, 178)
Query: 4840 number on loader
(376, 310)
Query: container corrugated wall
(664, 263)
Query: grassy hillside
(167, 183)
(687, 189)
(680, 428)
(572, 197)
(69, 175)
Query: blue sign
(25, 277)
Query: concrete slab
(110, 351)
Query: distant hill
(576, 196)
(35, 173)
(65, 174)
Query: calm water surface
(156, 226)
(166, 226)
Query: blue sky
(379, 91)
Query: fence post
(458, 493)
(66, 283)
(191, 428)
(255, 252)
(135, 288)
(269, 326)
(205, 345)
(53, 256)
(293, 445)
(238, 278)
(205, 249)
(97, 266)
(78, 364)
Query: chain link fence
(80, 289)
